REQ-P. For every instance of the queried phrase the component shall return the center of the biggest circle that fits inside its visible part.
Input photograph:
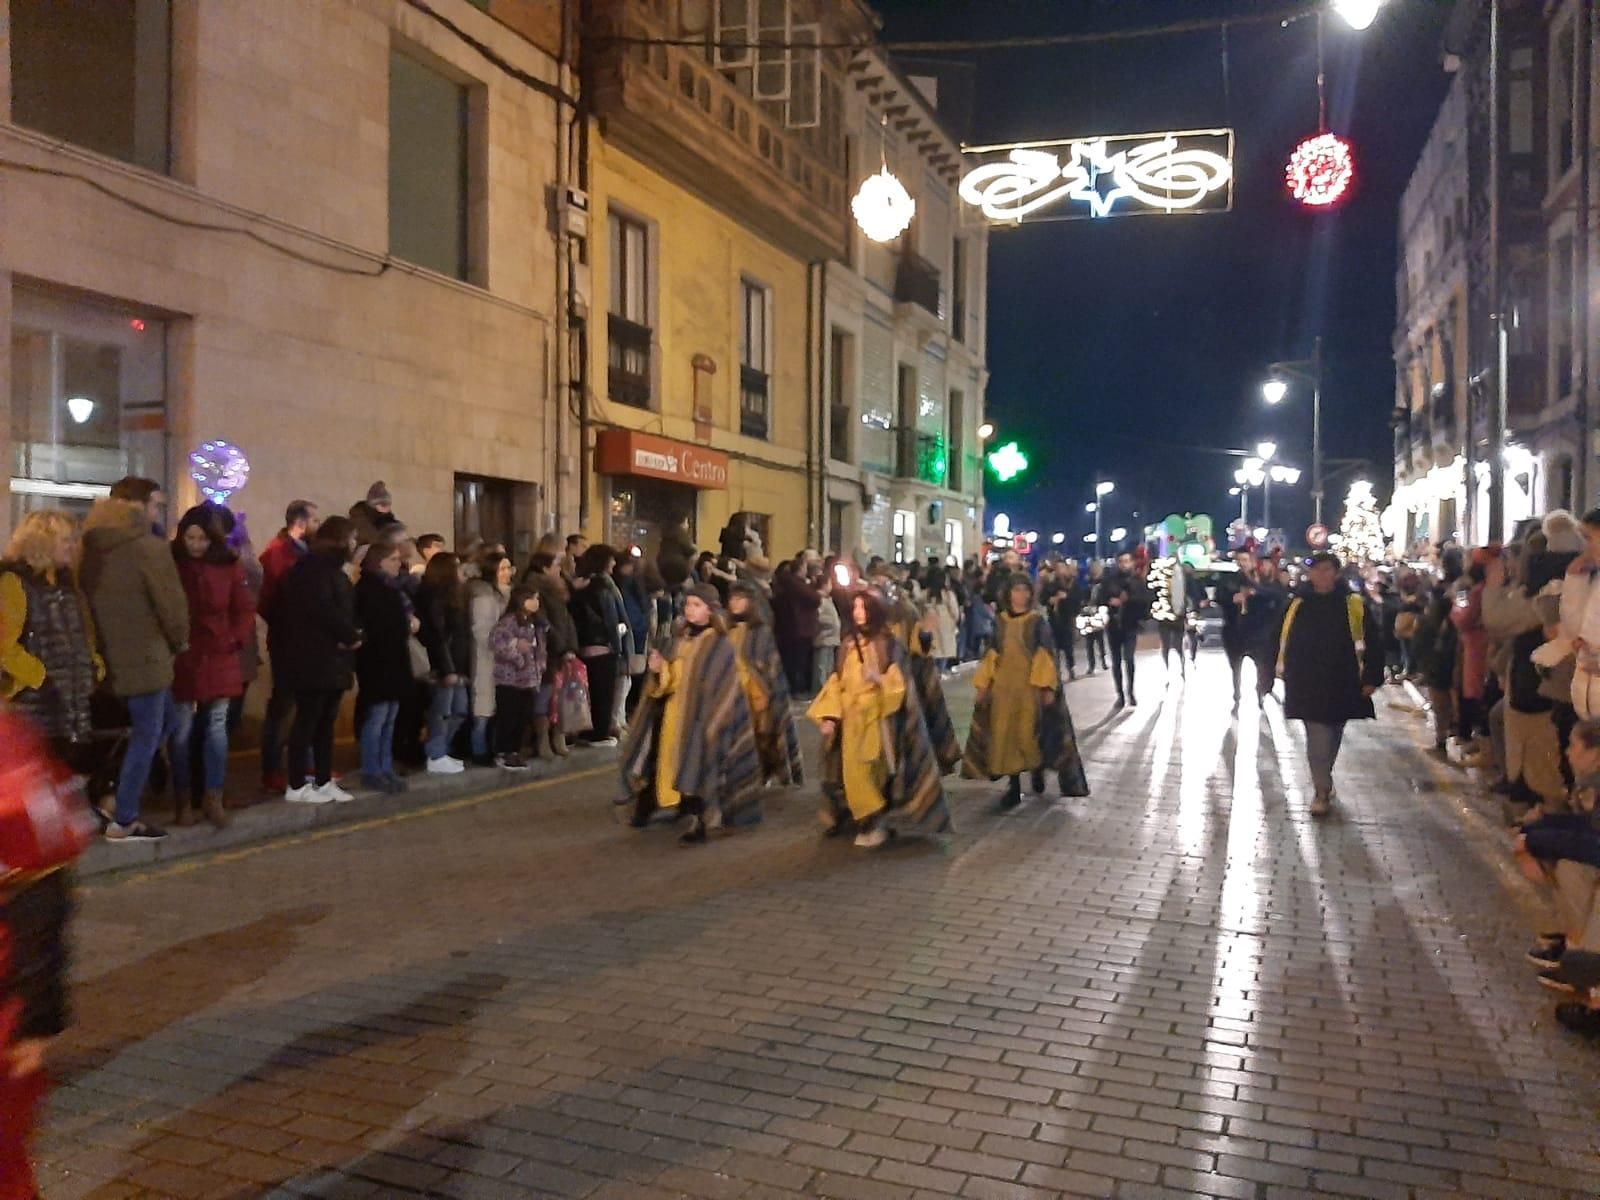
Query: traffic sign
(1317, 536)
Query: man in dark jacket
(300, 522)
(795, 601)
(1063, 599)
(1332, 661)
(1251, 603)
(1127, 598)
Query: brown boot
(185, 815)
(215, 812)
(558, 744)
(540, 746)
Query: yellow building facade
(714, 201)
(720, 301)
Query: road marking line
(189, 865)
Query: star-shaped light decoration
(1008, 462)
(1089, 162)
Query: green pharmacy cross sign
(1008, 462)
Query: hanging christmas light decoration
(882, 207)
(1321, 170)
(1323, 167)
(1163, 575)
(220, 469)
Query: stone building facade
(316, 229)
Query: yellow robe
(665, 684)
(755, 694)
(860, 708)
(1014, 679)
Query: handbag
(421, 668)
(571, 701)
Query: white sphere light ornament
(219, 469)
(882, 207)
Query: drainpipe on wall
(1582, 366)
(579, 388)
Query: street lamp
(1358, 14)
(1267, 450)
(1101, 489)
(1276, 388)
(985, 431)
(1118, 534)
(1104, 488)
(1091, 538)
(1057, 538)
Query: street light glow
(1358, 14)
(1273, 391)
(1267, 450)
(1234, 491)
(986, 431)
(1091, 537)
(1104, 488)
(1091, 507)
(1118, 534)
(1057, 538)
(1261, 532)
(1282, 474)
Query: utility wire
(1282, 14)
(184, 223)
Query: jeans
(153, 716)
(377, 738)
(825, 656)
(212, 717)
(1568, 836)
(447, 708)
(1322, 751)
(479, 739)
(311, 735)
(1123, 644)
(1266, 664)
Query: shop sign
(624, 452)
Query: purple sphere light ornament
(220, 469)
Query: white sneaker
(332, 791)
(601, 743)
(871, 839)
(308, 793)
(445, 766)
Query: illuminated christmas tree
(1360, 533)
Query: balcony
(921, 456)
(672, 109)
(753, 402)
(916, 281)
(628, 362)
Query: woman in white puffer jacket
(1580, 613)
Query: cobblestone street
(1181, 986)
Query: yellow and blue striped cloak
(718, 760)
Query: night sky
(1125, 346)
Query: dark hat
(704, 592)
(378, 493)
(1324, 556)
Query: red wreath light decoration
(1321, 170)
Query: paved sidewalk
(1181, 986)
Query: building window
(96, 73)
(430, 177)
(958, 290)
(841, 395)
(906, 430)
(956, 421)
(88, 401)
(1563, 102)
(754, 366)
(628, 361)
(838, 524)
(1562, 315)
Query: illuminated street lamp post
(1101, 490)
(1276, 389)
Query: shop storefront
(652, 487)
(87, 403)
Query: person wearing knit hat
(691, 746)
(1561, 534)
(374, 516)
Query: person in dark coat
(317, 611)
(795, 601)
(1126, 597)
(1251, 604)
(1331, 660)
(383, 662)
(207, 676)
(446, 634)
(596, 608)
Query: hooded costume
(692, 735)
(1013, 730)
(878, 763)
(766, 688)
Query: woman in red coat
(207, 675)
